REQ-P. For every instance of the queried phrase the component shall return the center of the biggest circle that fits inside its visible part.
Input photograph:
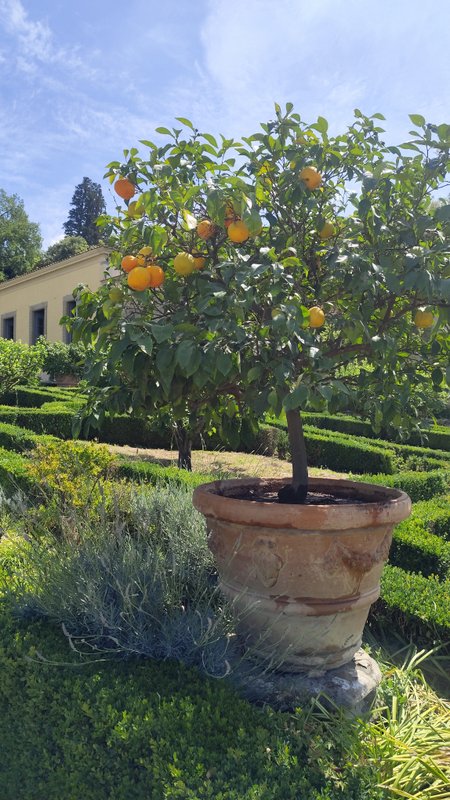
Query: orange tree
(290, 270)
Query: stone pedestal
(351, 687)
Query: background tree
(20, 239)
(67, 247)
(87, 205)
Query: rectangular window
(8, 325)
(69, 308)
(37, 324)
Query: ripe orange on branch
(184, 263)
(423, 319)
(328, 231)
(143, 255)
(316, 317)
(199, 262)
(238, 232)
(156, 275)
(311, 177)
(124, 188)
(129, 262)
(139, 279)
(205, 229)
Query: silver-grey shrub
(137, 581)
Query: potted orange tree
(288, 271)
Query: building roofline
(56, 266)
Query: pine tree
(87, 204)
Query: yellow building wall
(49, 287)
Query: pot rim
(388, 507)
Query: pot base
(351, 687)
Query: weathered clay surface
(301, 578)
(352, 686)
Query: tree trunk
(297, 491)
(184, 444)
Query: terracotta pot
(301, 578)
(67, 380)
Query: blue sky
(80, 80)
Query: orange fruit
(238, 231)
(200, 262)
(139, 279)
(184, 263)
(423, 319)
(134, 210)
(311, 177)
(316, 317)
(328, 231)
(124, 188)
(129, 263)
(157, 276)
(205, 229)
(143, 255)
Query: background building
(33, 304)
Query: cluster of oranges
(142, 273)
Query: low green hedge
(57, 420)
(13, 437)
(147, 472)
(437, 437)
(416, 605)
(418, 485)
(30, 397)
(145, 730)
(434, 515)
(13, 473)
(334, 452)
(417, 550)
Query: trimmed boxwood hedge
(417, 550)
(436, 437)
(416, 605)
(434, 515)
(147, 472)
(30, 397)
(13, 473)
(13, 437)
(144, 730)
(418, 485)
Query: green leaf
(254, 373)
(164, 131)
(297, 398)
(224, 363)
(162, 333)
(417, 119)
(437, 376)
(186, 122)
(209, 138)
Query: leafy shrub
(138, 581)
(62, 359)
(69, 472)
(19, 363)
